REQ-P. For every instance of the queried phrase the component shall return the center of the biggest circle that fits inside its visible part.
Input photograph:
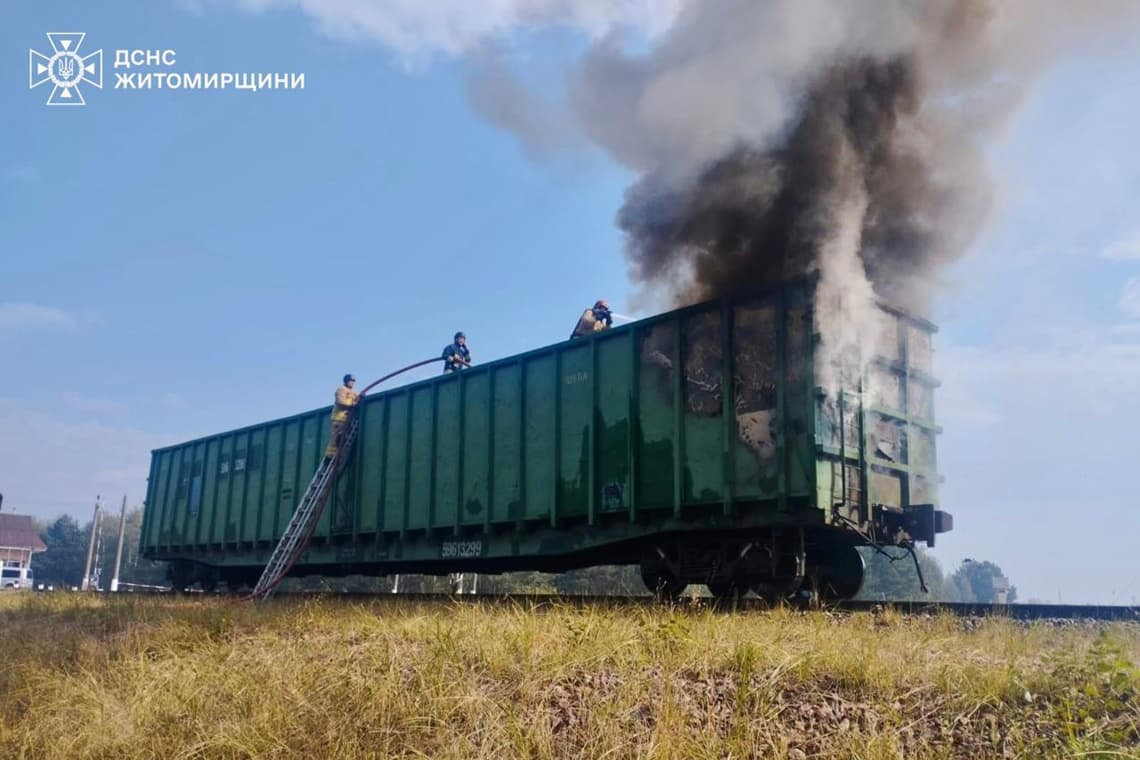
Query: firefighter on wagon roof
(593, 320)
(345, 399)
(456, 356)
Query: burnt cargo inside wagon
(707, 444)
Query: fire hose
(320, 509)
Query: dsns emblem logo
(65, 68)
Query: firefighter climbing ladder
(296, 537)
(305, 518)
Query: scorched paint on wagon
(698, 444)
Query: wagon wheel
(842, 576)
(181, 575)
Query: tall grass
(88, 677)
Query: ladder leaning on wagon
(342, 437)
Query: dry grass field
(162, 677)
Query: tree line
(890, 575)
(61, 566)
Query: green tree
(892, 577)
(134, 569)
(62, 564)
(518, 583)
(976, 579)
(601, 581)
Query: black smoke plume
(764, 133)
(770, 138)
(759, 216)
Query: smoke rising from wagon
(773, 139)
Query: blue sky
(177, 263)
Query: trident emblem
(65, 69)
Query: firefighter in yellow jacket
(346, 399)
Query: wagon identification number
(226, 467)
(577, 377)
(452, 549)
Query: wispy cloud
(100, 406)
(53, 464)
(453, 27)
(15, 317)
(104, 408)
(1129, 302)
(1037, 425)
(965, 404)
(1099, 367)
(1125, 328)
(1125, 249)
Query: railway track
(1074, 612)
(1069, 612)
(1013, 611)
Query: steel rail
(1069, 612)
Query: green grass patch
(86, 676)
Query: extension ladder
(305, 518)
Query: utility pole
(97, 562)
(119, 548)
(85, 585)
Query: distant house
(18, 542)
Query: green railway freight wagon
(697, 443)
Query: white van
(16, 578)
